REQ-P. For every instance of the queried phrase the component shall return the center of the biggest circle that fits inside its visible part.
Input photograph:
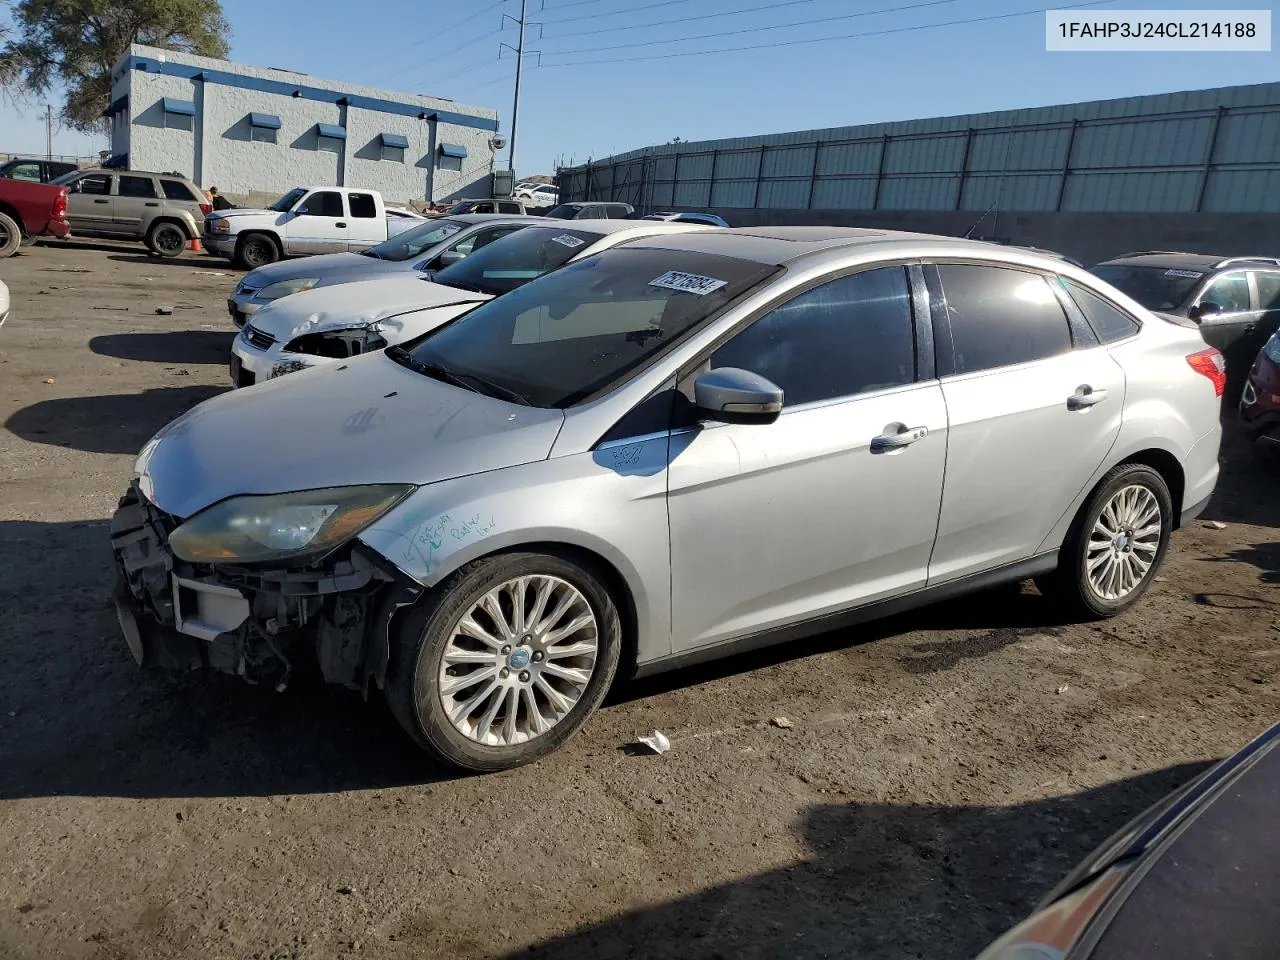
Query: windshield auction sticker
(569, 240)
(1157, 30)
(1187, 274)
(688, 283)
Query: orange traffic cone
(194, 246)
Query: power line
(847, 36)
(575, 3)
(664, 23)
(785, 26)
(488, 35)
(506, 75)
(613, 13)
(382, 58)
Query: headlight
(220, 226)
(251, 529)
(1272, 349)
(285, 287)
(338, 344)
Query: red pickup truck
(30, 210)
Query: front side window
(576, 331)
(1000, 317)
(1109, 323)
(97, 184)
(323, 203)
(1156, 288)
(846, 337)
(363, 206)
(136, 187)
(1230, 292)
(413, 242)
(515, 260)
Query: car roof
(1175, 260)
(618, 226)
(138, 173)
(491, 218)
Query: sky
(601, 90)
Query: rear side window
(1000, 317)
(177, 190)
(509, 207)
(136, 187)
(1109, 323)
(363, 206)
(616, 212)
(1268, 289)
(843, 338)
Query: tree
(75, 43)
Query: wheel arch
(175, 220)
(1170, 469)
(13, 215)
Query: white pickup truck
(304, 221)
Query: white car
(4, 303)
(333, 323)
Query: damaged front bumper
(252, 622)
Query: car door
(136, 202)
(835, 503)
(1033, 408)
(319, 224)
(90, 205)
(1227, 313)
(365, 227)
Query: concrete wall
(1089, 237)
(152, 145)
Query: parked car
(1260, 399)
(432, 245)
(544, 196)
(323, 326)
(1193, 877)
(488, 206)
(30, 210)
(163, 210)
(706, 219)
(592, 211)
(397, 212)
(675, 448)
(35, 170)
(4, 303)
(1235, 301)
(304, 221)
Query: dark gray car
(433, 245)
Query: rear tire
(10, 236)
(544, 685)
(1116, 545)
(256, 250)
(166, 239)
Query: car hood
(243, 212)
(358, 304)
(367, 420)
(329, 267)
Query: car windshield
(412, 242)
(517, 258)
(562, 338)
(1156, 288)
(285, 203)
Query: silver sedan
(680, 447)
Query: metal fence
(1180, 153)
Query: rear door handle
(102, 201)
(151, 203)
(896, 441)
(339, 224)
(1086, 397)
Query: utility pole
(519, 52)
(48, 131)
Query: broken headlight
(252, 529)
(284, 288)
(338, 344)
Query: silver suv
(678, 447)
(164, 210)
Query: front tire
(256, 250)
(1116, 545)
(506, 660)
(166, 239)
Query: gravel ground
(940, 772)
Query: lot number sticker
(569, 240)
(688, 283)
(1189, 274)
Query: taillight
(206, 208)
(1210, 363)
(60, 205)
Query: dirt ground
(942, 771)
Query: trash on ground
(50, 380)
(1063, 689)
(782, 723)
(656, 741)
(164, 311)
(1217, 524)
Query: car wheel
(505, 661)
(1116, 545)
(166, 239)
(256, 250)
(10, 236)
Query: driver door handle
(1086, 397)
(339, 224)
(896, 441)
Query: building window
(330, 137)
(178, 114)
(263, 127)
(393, 147)
(451, 156)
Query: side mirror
(1206, 309)
(449, 258)
(732, 395)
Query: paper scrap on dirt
(1217, 524)
(782, 723)
(656, 741)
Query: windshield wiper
(369, 253)
(467, 381)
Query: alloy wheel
(1124, 542)
(519, 660)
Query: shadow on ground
(197, 260)
(883, 881)
(120, 423)
(171, 346)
